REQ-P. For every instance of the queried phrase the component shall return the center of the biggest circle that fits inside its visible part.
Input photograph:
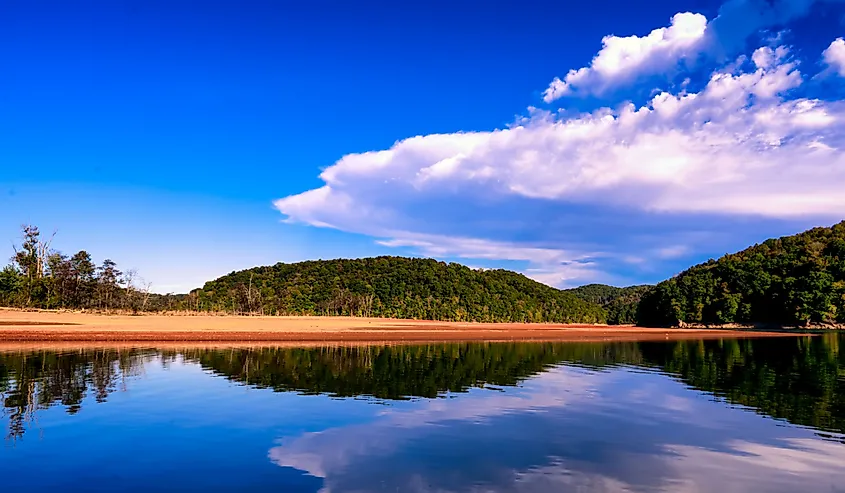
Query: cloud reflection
(569, 430)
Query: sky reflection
(569, 430)
(605, 418)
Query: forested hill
(790, 281)
(393, 287)
(619, 303)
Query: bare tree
(136, 290)
(32, 259)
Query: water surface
(726, 416)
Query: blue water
(729, 416)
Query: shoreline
(27, 327)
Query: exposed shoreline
(25, 327)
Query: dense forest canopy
(619, 303)
(394, 287)
(791, 281)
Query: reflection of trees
(30, 382)
(392, 372)
(798, 379)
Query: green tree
(109, 280)
(31, 261)
(10, 285)
(83, 271)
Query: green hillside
(619, 303)
(790, 281)
(393, 287)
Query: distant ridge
(619, 303)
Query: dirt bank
(24, 327)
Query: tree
(10, 285)
(31, 260)
(136, 291)
(108, 284)
(60, 284)
(84, 271)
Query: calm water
(724, 416)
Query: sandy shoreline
(21, 327)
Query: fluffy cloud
(622, 58)
(571, 195)
(834, 56)
(555, 267)
(716, 142)
(689, 36)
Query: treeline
(394, 287)
(41, 277)
(620, 304)
(790, 281)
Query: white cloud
(834, 56)
(624, 57)
(739, 147)
(673, 251)
(715, 142)
(555, 267)
(765, 57)
(688, 37)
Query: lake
(723, 415)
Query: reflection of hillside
(801, 380)
(798, 379)
(392, 372)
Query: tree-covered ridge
(791, 281)
(394, 287)
(619, 303)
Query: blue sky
(573, 142)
